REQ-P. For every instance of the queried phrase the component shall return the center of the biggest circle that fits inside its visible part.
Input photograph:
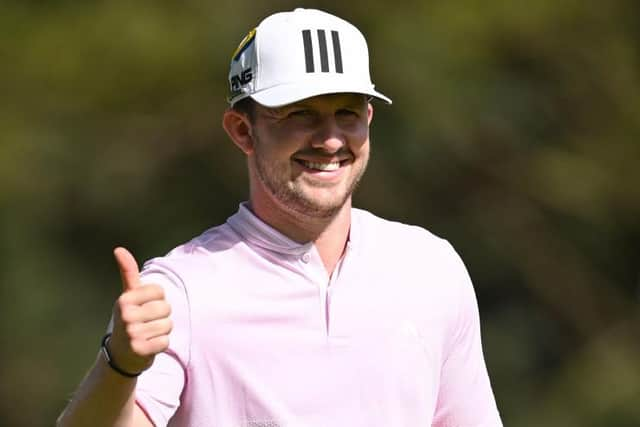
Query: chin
(325, 209)
(314, 207)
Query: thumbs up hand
(141, 319)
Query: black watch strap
(107, 356)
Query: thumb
(129, 272)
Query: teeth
(323, 166)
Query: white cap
(295, 55)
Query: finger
(141, 295)
(154, 310)
(150, 330)
(129, 272)
(150, 347)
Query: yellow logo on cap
(246, 41)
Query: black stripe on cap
(324, 56)
(337, 53)
(308, 50)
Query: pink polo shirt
(263, 337)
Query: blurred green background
(514, 134)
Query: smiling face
(307, 158)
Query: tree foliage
(514, 134)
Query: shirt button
(306, 257)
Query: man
(300, 310)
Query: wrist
(106, 353)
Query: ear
(239, 128)
(369, 113)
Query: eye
(299, 113)
(349, 113)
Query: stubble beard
(290, 193)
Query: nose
(329, 136)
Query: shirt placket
(338, 288)
(326, 286)
(315, 272)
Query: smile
(322, 166)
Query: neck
(329, 234)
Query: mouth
(322, 166)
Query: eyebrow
(347, 104)
(352, 103)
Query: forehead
(327, 101)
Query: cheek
(277, 143)
(359, 142)
(358, 132)
(364, 152)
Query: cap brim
(278, 96)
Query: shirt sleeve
(159, 388)
(465, 398)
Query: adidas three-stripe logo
(324, 54)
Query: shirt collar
(258, 233)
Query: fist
(141, 323)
